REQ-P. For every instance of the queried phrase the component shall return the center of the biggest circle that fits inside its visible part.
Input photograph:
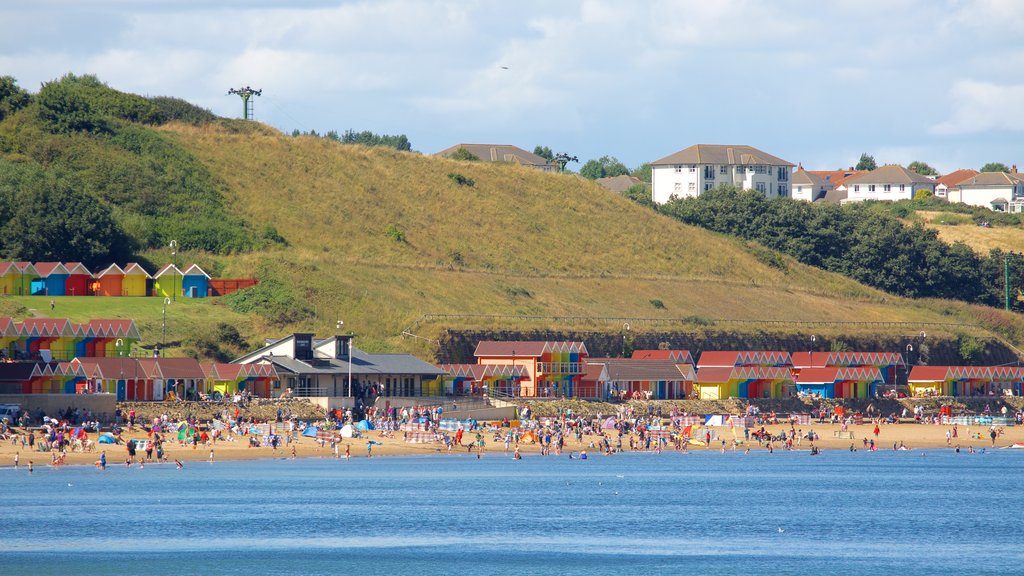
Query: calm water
(860, 513)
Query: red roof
(745, 358)
(954, 178)
(834, 177)
(822, 359)
(46, 268)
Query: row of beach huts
(74, 279)
(57, 356)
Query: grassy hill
(953, 227)
(379, 237)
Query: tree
(544, 152)
(640, 194)
(12, 97)
(65, 109)
(995, 167)
(367, 138)
(463, 154)
(867, 162)
(562, 159)
(643, 172)
(603, 167)
(922, 168)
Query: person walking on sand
(348, 451)
(17, 456)
(211, 455)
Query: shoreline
(912, 436)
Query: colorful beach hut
(888, 363)
(553, 367)
(838, 382)
(109, 282)
(474, 379)
(52, 281)
(134, 281)
(720, 383)
(167, 281)
(965, 380)
(631, 378)
(678, 356)
(195, 282)
(78, 279)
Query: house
(53, 277)
(887, 363)
(890, 182)
(59, 339)
(502, 153)
(701, 167)
(134, 281)
(167, 281)
(997, 191)
(837, 180)
(947, 181)
(123, 376)
(633, 378)
(553, 368)
(77, 282)
(333, 367)
(195, 283)
(810, 187)
(620, 183)
(226, 379)
(181, 378)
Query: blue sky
(811, 81)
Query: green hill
(380, 238)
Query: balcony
(560, 367)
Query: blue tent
(107, 439)
(365, 425)
(310, 432)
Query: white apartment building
(701, 167)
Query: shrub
(657, 304)
(460, 179)
(395, 233)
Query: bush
(460, 179)
(657, 304)
(395, 233)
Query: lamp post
(174, 263)
(163, 324)
(119, 343)
(338, 326)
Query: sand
(913, 436)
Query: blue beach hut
(195, 282)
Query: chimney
(1014, 169)
(799, 165)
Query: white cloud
(983, 107)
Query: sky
(813, 82)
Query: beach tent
(309, 432)
(365, 425)
(107, 439)
(712, 420)
(347, 431)
(608, 423)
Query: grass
(979, 238)
(519, 243)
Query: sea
(872, 513)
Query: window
(871, 187)
(856, 187)
(692, 188)
(708, 186)
(679, 187)
(783, 174)
(886, 188)
(903, 187)
(721, 169)
(679, 169)
(761, 187)
(799, 189)
(782, 190)
(709, 172)
(693, 168)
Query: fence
(980, 420)
(420, 437)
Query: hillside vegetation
(399, 246)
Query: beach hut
(109, 282)
(78, 279)
(52, 279)
(134, 282)
(195, 282)
(25, 275)
(167, 281)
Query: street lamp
(163, 324)
(174, 263)
(339, 324)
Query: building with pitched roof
(966, 380)
(52, 280)
(810, 187)
(332, 367)
(997, 191)
(701, 167)
(553, 368)
(946, 181)
(890, 182)
(502, 153)
(620, 183)
(633, 378)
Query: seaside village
(54, 370)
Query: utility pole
(246, 93)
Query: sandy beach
(831, 437)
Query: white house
(890, 182)
(701, 167)
(946, 181)
(809, 187)
(997, 191)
